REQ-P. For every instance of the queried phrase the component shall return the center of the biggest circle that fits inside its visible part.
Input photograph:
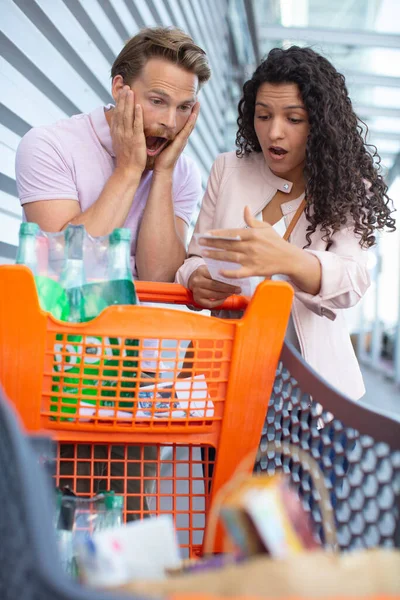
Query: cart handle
(174, 293)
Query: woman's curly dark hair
(342, 176)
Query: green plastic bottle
(27, 253)
(114, 506)
(69, 348)
(123, 292)
(120, 289)
(86, 301)
(73, 275)
(73, 348)
(52, 296)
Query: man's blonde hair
(169, 43)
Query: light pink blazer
(319, 320)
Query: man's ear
(117, 85)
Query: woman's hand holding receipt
(207, 292)
(258, 250)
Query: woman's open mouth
(155, 145)
(277, 153)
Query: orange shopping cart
(133, 415)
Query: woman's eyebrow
(291, 106)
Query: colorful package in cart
(264, 514)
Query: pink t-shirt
(73, 159)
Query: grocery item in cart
(77, 276)
(52, 296)
(87, 298)
(264, 515)
(79, 519)
(146, 548)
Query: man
(123, 166)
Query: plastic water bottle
(122, 287)
(52, 296)
(114, 506)
(121, 290)
(66, 508)
(102, 356)
(69, 349)
(27, 250)
(76, 299)
(73, 275)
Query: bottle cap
(120, 234)
(29, 229)
(111, 500)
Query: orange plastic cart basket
(86, 384)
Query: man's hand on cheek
(129, 142)
(166, 161)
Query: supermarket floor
(381, 392)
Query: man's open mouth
(277, 150)
(155, 144)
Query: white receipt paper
(215, 266)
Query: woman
(301, 156)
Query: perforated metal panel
(361, 473)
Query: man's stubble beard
(150, 163)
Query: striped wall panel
(55, 60)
